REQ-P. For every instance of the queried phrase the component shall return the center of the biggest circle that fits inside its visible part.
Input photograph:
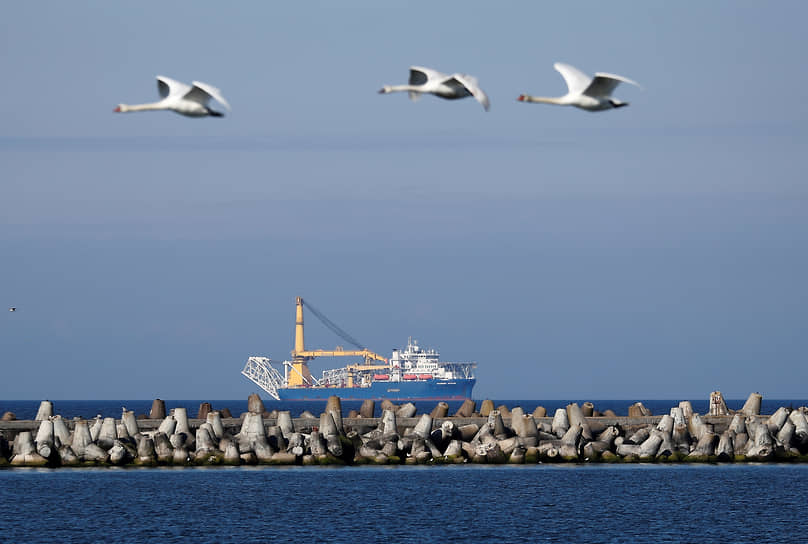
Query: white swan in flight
(425, 80)
(191, 101)
(591, 94)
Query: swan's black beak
(215, 113)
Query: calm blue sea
(536, 503)
(26, 409)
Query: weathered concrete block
(368, 409)
(423, 428)
(561, 423)
(752, 405)
(81, 437)
(466, 409)
(777, 419)
(45, 411)
(407, 409)
(638, 409)
(717, 405)
(214, 419)
(24, 452)
(162, 448)
(334, 408)
(255, 404)
(107, 434)
(286, 423)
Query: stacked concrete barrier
(399, 436)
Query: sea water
(440, 504)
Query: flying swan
(191, 101)
(591, 94)
(428, 81)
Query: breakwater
(576, 433)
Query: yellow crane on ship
(301, 376)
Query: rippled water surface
(537, 503)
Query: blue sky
(656, 251)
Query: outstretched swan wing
(604, 84)
(420, 75)
(171, 87)
(469, 83)
(576, 80)
(202, 92)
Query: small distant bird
(12, 309)
(428, 81)
(191, 101)
(591, 94)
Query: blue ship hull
(459, 389)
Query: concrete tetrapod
(107, 434)
(45, 444)
(576, 417)
(527, 430)
(286, 424)
(329, 430)
(204, 409)
(760, 445)
(777, 419)
(60, 430)
(168, 425)
(785, 436)
(231, 454)
(181, 416)
(368, 409)
(214, 419)
(163, 448)
(95, 427)
(717, 405)
(24, 453)
(130, 422)
(423, 428)
(800, 429)
(705, 447)
(145, 452)
(45, 411)
(638, 410)
(497, 425)
(440, 411)
(158, 409)
(687, 408)
(725, 451)
(333, 406)
(752, 405)
(561, 422)
(466, 409)
(255, 404)
(569, 443)
(118, 454)
(406, 410)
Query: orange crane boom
(300, 374)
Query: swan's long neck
(542, 100)
(125, 108)
(400, 88)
